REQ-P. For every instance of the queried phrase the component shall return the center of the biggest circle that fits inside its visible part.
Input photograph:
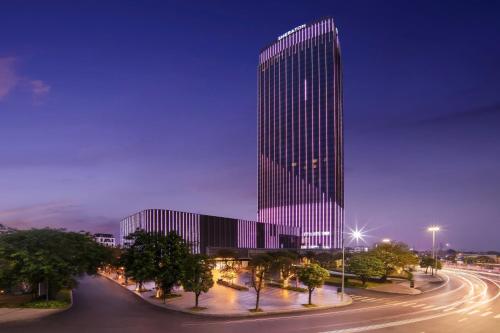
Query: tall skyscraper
(300, 149)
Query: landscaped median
(223, 301)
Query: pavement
(465, 302)
(222, 301)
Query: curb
(235, 315)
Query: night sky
(107, 108)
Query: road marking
(449, 309)
(428, 307)
(472, 312)
(486, 314)
(410, 304)
(463, 319)
(497, 316)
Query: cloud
(10, 80)
(476, 113)
(39, 88)
(8, 76)
(56, 215)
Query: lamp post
(434, 229)
(343, 268)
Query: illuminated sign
(316, 233)
(292, 31)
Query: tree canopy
(394, 256)
(313, 276)
(366, 266)
(197, 275)
(53, 257)
(155, 257)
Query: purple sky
(107, 109)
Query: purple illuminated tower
(300, 152)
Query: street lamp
(434, 229)
(386, 240)
(355, 235)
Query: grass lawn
(352, 282)
(62, 300)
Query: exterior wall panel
(204, 231)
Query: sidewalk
(223, 301)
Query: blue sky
(109, 107)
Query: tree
(139, 259)
(366, 266)
(428, 261)
(52, 258)
(174, 251)
(394, 256)
(283, 262)
(230, 266)
(260, 265)
(328, 260)
(197, 275)
(313, 276)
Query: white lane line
(410, 304)
(463, 319)
(472, 312)
(441, 286)
(418, 305)
(449, 309)
(420, 319)
(497, 316)
(428, 307)
(486, 314)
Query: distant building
(4, 229)
(105, 239)
(357, 249)
(205, 232)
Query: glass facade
(300, 131)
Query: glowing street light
(434, 229)
(357, 235)
(386, 240)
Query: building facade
(202, 232)
(105, 239)
(300, 134)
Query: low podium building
(203, 232)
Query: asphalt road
(467, 302)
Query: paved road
(467, 302)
